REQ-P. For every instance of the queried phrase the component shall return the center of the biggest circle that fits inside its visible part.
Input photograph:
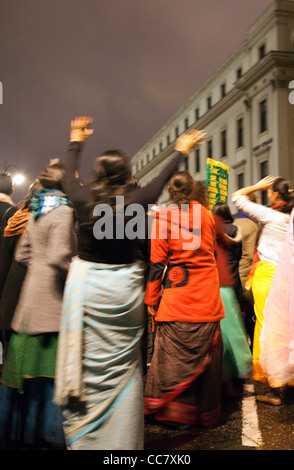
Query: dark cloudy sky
(128, 63)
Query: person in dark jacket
(7, 206)
(7, 209)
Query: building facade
(245, 108)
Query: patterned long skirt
(184, 380)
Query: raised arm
(184, 145)
(71, 183)
(258, 212)
(262, 185)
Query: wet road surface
(245, 425)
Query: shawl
(17, 223)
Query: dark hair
(110, 177)
(134, 183)
(199, 193)
(252, 197)
(51, 177)
(180, 187)
(5, 183)
(221, 209)
(286, 193)
(26, 203)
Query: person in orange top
(184, 379)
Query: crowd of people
(102, 331)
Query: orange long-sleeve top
(183, 244)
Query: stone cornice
(273, 60)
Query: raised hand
(265, 183)
(79, 129)
(187, 142)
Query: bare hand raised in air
(187, 142)
(265, 183)
(79, 129)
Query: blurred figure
(28, 416)
(250, 230)
(7, 209)
(274, 221)
(184, 379)
(234, 236)
(237, 362)
(7, 206)
(12, 273)
(277, 337)
(99, 367)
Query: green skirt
(237, 359)
(28, 357)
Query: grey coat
(46, 248)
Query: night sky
(130, 64)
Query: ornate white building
(245, 108)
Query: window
(263, 169)
(209, 149)
(177, 132)
(223, 143)
(186, 123)
(160, 146)
(208, 103)
(197, 114)
(153, 153)
(148, 158)
(239, 73)
(197, 161)
(186, 163)
(263, 174)
(240, 181)
(223, 90)
(240, 133)
(263, 116)
(168, 139)
(261, 51)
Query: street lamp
(17, 177)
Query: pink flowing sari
(277, 336)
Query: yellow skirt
(261, 283)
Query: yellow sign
(217, 178)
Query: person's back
(183, 238)
(249, 229)
(47, 247)
(274, 226)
